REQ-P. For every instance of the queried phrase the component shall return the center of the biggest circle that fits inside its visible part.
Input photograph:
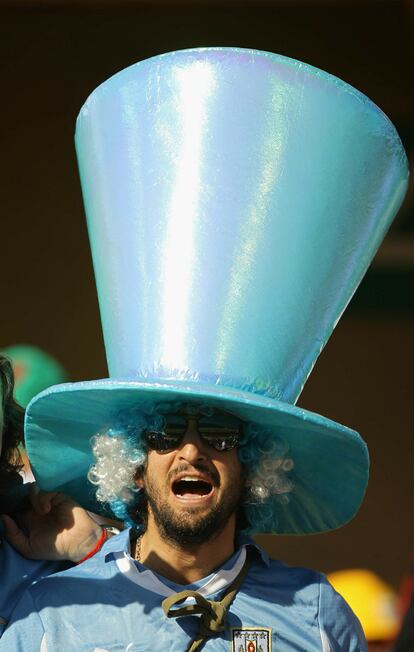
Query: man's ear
(139, 480)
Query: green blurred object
(34, 371)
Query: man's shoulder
(303, 596)
(267, 570)
(284, 584)
(280, 578)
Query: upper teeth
(188, 478)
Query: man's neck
(185, 565)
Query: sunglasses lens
(160, 441)
(221, 432)
(221, 442)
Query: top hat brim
(330, 460)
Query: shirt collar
(117, 543)
(121, 543)
(244, 540)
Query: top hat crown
(234, 200)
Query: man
(193, 487)
(55, 528)
(234, 199)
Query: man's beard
(190, 527)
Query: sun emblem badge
(251, 639)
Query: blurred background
(53, 54)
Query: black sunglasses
(221, 432)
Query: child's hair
(12, 432)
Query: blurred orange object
(374, 602)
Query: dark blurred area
(53, 54)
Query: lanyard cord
(213, 613)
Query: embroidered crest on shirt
(251, 639)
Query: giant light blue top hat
(234, 200)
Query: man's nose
(192, 447)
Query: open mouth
(191, 486)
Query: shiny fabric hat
(234, 200)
